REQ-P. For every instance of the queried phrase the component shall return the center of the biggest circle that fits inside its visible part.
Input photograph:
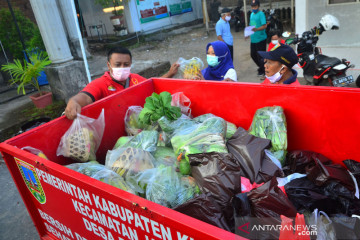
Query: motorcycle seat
(322, 60)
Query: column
(48, 19)
(301, 16)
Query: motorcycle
(239, 16)
(274, 23)
(318, 68)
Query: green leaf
(166, 99)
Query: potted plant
(27, 74)
(117, 20)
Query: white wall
(93, 15)
(349, 17)
(134, 24)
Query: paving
(150, 59)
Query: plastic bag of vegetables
(164, 156)
(270, 123)
(127, 161)
(191, 67)
(133, 125)
(145, 140)
(163, 185)
(88, 168)
(110, 177)
(208, 136)
(100, 172)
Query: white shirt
(231, 73)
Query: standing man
(258, 39)
(223, 30)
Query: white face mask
(227, 18)
(120, 74)
(276, 77)
(275, 42)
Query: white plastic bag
(83, 138)
(34, 151)
(183, 102)
(325, 229)
(191, 67)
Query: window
(342, 1)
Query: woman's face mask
(276, 77)
(255, 10)
(213, 61)
(120, 74)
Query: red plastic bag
(183, 102)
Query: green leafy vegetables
(157, 106)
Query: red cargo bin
(64, 204)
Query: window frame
(344, 3)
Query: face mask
(276, 77)
(227, 18)
(255, 10)
(121, 74)
(213, 61)
(275, 42)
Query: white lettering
(154, 226)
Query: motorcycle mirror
(286, 34)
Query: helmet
(329, 22)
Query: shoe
(262, 77)
(261, 73)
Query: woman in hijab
(220, 65)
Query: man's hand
(75, 104)
(173, 70)
(254, 29)
(72, 109)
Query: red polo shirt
(105, 86)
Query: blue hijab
(217, 73)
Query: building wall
(93, 15)
(23, 5)
(348, 16)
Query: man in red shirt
(278, 65)
(115, 80)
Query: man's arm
(75, 104)
(260, 28)
(220, 38)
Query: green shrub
(10, 37)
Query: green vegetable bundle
(270, 123)
(163, 185)
(208, 136)
(157, 106)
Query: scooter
(274, 23)
(318, 68)
(239, 17)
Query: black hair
(275, 32)
(120, 50)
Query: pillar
(68, 18)
(49, 21)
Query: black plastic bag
(346, 227)
(298, 161)
(320, 174)
(219, 174)
(332, 197)
(205, 208)
(249, 151)
(354, 168)
(244, 221)
(267, 203)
